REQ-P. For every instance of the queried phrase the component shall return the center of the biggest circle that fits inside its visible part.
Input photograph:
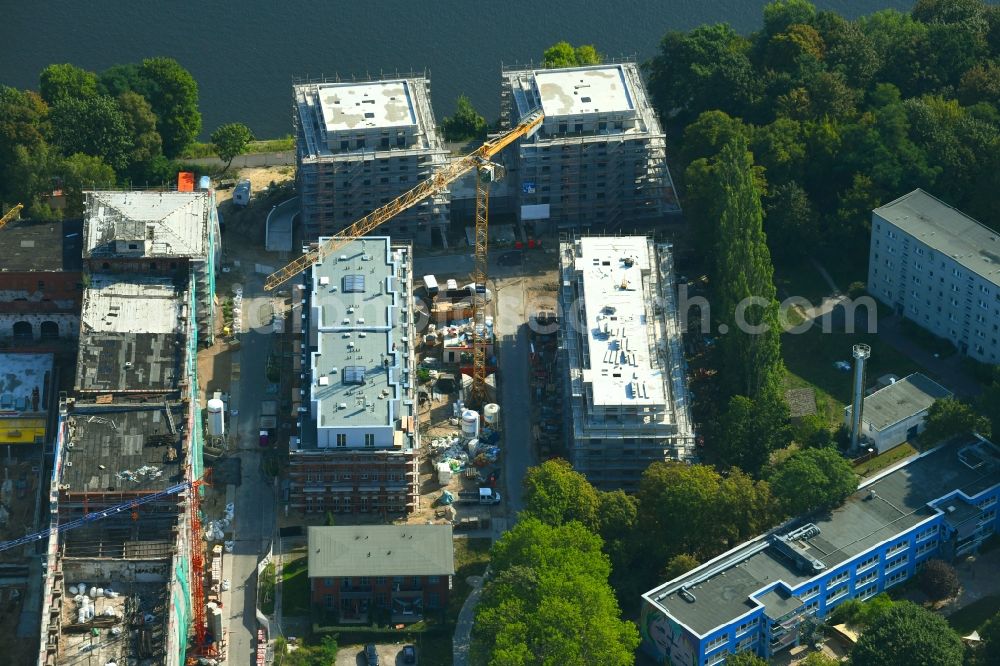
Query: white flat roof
(347, 106)
(580, 90)
(618, 335)
(129, 306)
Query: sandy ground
(260, 178)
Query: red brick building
(400, 571)
(40, 284)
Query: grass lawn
(800, 279)
(972, 617)
(295, 587)
(266, 589)
(809, 358)
(885, 459)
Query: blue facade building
(941, 504)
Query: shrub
(938, 580)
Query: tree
(93, 126)
(231, 140)
(710, 131)
(744, 279)
(749, 430)
(30, 175)
(745, 659)
(989, 653)
(173, 95)
(780, 15)
(555, 493)
(813, 479)
(119, 79)
(22, 123)
(812, 432)
(861, 614)
(563, 54)
(819, 659)
(81, 172)
(616, 520)
(938, 580)
(693, 509)
(908, 635)
(141, 123)
(560, 54)
(549, 602)
(706, 68)
(678, 565)
(465, 124)
(60, 82)
(586, 54)
(981, 83)
(947, 418)
(791, 222)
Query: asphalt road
(254, 510)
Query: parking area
(388, 655)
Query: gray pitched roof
(381, 550)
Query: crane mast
(10, 215)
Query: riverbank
(202, 150)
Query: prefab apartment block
(939, 268)
(756, 597)
(599, 158)
(356, 450)
(626, 397)
(361, 144)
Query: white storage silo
(491, 413)
(216, 418)
(470, 424)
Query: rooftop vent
(342, 405)
(324, 381)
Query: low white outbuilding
(896, 413)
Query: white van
(241, 194)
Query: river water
(245, 55)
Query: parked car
(409, 654)
(371, 654)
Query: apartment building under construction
(361, 144)
(599, 158)
(626, 398)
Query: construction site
(125, 561)
(349, 378)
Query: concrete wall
(105, 572)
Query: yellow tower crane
(11, 214)
(487, 172)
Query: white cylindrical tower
(491, 414)
(216, 418)
(861, 352)
(470, 424)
